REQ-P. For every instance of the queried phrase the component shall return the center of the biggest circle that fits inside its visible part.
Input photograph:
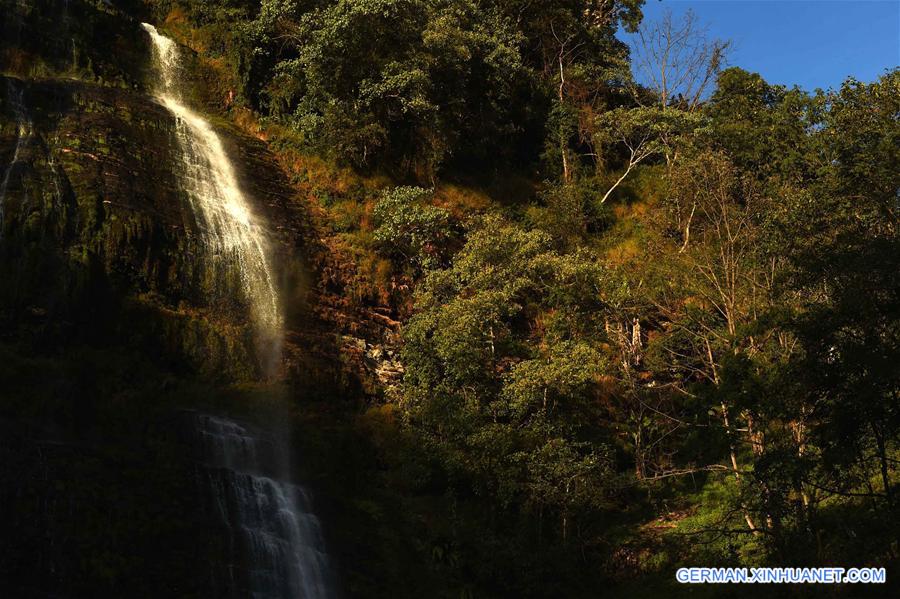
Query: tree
(844, 247)
(765, 129)
(410, 84)
(641, 133)
(407, 226)
(677, 60)
(577, 61)
(722, 280)
(500, 367)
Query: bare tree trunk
(617, 183)
(732, 451)
(882, 456)
(799, 432)
(637, 345)
(734, 466)
(687, 230)
(563, 140)
(757, 442)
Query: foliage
(416, 85)
(766, 129)
(406, 227)
(676, 342)
(387, 81)
(749, 358)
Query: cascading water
(229, 226)
(23, 135)
(274, 546)
(271, 526)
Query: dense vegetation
(643, 326)
(680, 344)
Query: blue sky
(811, 43)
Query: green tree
(409, 228)
(765, 129)
(501, 365)
(632, 136)
(844, 243)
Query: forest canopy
(562, 313)
(692, 316)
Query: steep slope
(116, 315)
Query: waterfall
(271, 528)
(274, 545)
(23, 134)
(228, 225)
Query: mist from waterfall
(228, 225)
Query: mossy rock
(94, 218)
(95, 41)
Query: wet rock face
(84, 182)
(85, 519)
(100, 251)
(94, 221)
(94, 40)
(87, 188)
(97, 234)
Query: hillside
(429, 298)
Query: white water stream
(273, 532)
(275, 546)
(229, 226)
(23, 134)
